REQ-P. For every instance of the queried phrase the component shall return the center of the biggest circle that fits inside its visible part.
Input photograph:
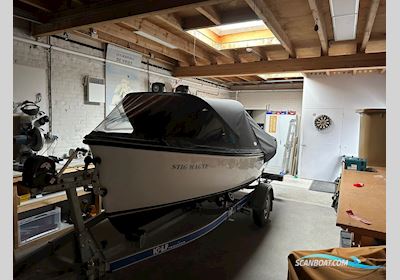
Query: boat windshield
(173, 120)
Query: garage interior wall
(72, 117)
(347, 93)
(290, 100)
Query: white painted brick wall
(72, 119)
(275, 100)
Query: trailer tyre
(261, 215)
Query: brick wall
(72, 119)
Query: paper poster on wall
(272, 124)
(120, 80)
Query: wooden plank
(261, 9)
(124, 34)
(374, 46)
(367, 202)
(343, 48)
(263, 86)
(15, 217)
(46, 200)
(166, 36)
(319, 20)
(308, 52)
(106, 38)
(210, 13)
(370, 23)
(322, 63)
(171, 20)
(39, 4)
(226, 17)
(113, 11)
(276, 53)
(175, 23)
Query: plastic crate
(39, 225)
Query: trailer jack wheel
(261, 214)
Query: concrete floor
(301, 219)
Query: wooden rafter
(113, 11)
(272, 86)
(39, 4)
(124, 34)
(322, 63)
(226, 17)
(109, 39)
(174, 22)
(171, 20)
(264, 13)
(210, 13)
(252, 78)
(370, 23)
(374, 46)
(342, 48)
(166, 36)
(319, 20)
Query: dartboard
(322, 122)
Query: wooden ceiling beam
(124, 34)
(113, 11)
(271, 86)
(374, 46)
(226, 17)
(168, 37)
(261, 9)
(39, 4)
(106, 38)
(210, 13)
(342, 48)
(171, 20)
(174, 22)
(320, 22)
(322, 63)
(370, 23)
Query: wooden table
(367, 202)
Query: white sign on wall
(123, 56)
(120, 80)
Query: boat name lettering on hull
(195, 166)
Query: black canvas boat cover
(183, 122)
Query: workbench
(367, 203)
(21, 206)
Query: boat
(159, 151)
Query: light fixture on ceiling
(155, 39)
(344, 18)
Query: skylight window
(237, 35)
(238, 27)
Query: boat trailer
(90, 259)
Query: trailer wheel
(261, 215)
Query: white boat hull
(138, 179)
